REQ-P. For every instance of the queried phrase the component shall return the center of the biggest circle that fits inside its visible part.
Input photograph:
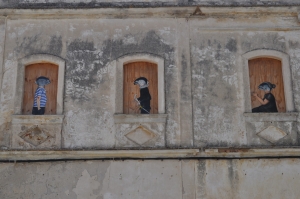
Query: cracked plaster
(187, 179)
(203, 75)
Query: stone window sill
(140, 118)
(37, 119)
(271, 117)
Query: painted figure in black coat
(268, 102)
(145, 97)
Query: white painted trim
(39, 58)
(286, 73)
(119, 79)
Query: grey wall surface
(203, 73)
(205, 99)
(170, 179)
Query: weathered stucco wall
(217, 47)
(89, 47)
(203, 74)
(4, 124)
(174, 179)
(206, 91)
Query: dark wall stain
(55, 45)
(264, 41)
(214, 94)
(294, 44)
(77, 45)
(231, 45)
(185, 90)
(27, 45)
(201, 177)
(82, 67)
(36, 44)
(85, 61)
(4, 134)
(219, 66)
(151, 44)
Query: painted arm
(263, 102)
(38, 101)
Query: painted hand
(254, 94)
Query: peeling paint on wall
(215, 86)
(86, 186)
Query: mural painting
(144, 100)
(40, 97)
(268, 101)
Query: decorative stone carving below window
(140, 130)
(36, 131)
(272, 134)
(35, 136)
(140, 135)
(265, 129)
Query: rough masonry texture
(147, 179)
(203, 45)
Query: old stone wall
(202, 54)
(205, 86)
(170, 179)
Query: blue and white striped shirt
(42, 93)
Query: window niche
(132, 71)
(261, 55)
(144, 59)
(38, 131)
(264, 129)
(39, 65)
(266, 70)
(132, 128)
(32, 72)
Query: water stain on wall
(86, 64)
(37, 45)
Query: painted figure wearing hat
(145, 97)
(268, 102)
(40, 97)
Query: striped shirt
(42, 93)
